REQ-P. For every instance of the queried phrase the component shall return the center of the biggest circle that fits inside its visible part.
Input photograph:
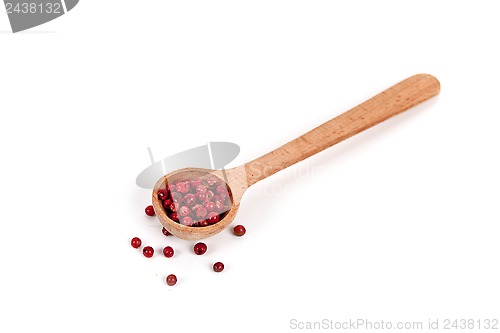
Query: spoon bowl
(394, 100)
(235, 180)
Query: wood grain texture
(389, 103)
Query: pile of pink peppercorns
(199, 248)
(200, 202)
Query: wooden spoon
(388, 103)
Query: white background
(399, 223)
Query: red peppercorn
(203, 223)
(239, 230)
(150, 210)
(148, 251)
(168, 251)
(195, 207)
(187, 221)
(162, 194)
(218, 267)
(213, 218)
(212, 181)
(165, 232)
(176, 196)
(210, 195)
(201, 196)
(171, 279)
(174, 217)
(195, 183)
(190, 199)
(183, 187)
(200, 248)
(209, 205)
(184, 211)
(201, 213)
(136, 242)
(166, 203)
(201, 189)
(173, 207)
(219, 206)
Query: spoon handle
(398, 98)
